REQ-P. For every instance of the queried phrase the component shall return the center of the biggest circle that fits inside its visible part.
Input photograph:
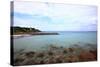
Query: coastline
(33, 33)
(44, 33)
(20, 35)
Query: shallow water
(65, 39)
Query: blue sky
(55, 17)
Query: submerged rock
(71, 58)
(55, 55)
(65, 50)
(71, 49)
(94, 53)
(30, 54)
(50, 53)
(18, 61)
(40, 54)
(86, 56)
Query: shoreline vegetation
(18, 32)
(56, 54)
(30, 31)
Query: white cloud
(62, 16)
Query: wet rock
(53, 61)
(50, 53)
(52, 47)
(20, 56)
(86, 56)
(65, 51)
(39, 61)
(76, 45)
(94, 52)
(40, 54)
(47, 60)
(28, 62)
(30, 54)
(71, 49)
(42, 62)
(18, 60)
(56, 55)
(61, 47)
(59, 58)
(72, 58)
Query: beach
(33, 33)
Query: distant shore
(44, 33)
(33, 33)
(20, 35)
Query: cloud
(54, 17)
(22, 15)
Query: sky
(55, 17)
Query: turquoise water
(65, 39)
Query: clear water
(65, 39)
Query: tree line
(17, 29)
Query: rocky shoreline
(55, 54)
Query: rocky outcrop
(55, 54)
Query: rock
(61, 47)
(71, 49)
(18, 60)
(55, 55)
(50, 53)
(52, 47)
(40, 54)
(47, 60)
(28, 62)
(59, 58)
(30, 54)
(86, 56)
(72, 58)
(65, 51)
(94, 52)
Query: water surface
(65, 39)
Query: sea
(63, 39)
